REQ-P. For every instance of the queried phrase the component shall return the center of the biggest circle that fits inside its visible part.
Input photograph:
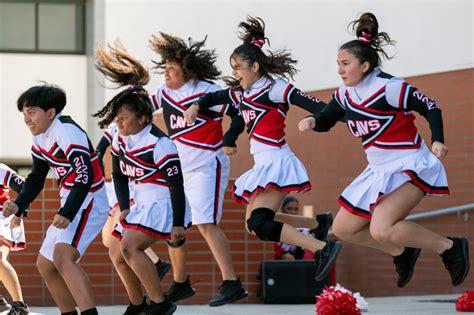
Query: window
(42, 26)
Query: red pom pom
(465, 303)
(335, 302)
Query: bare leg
(133, 245)
(220, 248)
(56, 285)
(9, 276)
(179, 257)
(107, 237)
(272, 199)
(297, 221)
(355, 229)
(388, 225)
(65, 259)
(129, 278)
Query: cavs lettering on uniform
(361, 128)
(131, 171)
(138, 163)
(206, 132)
(178, 122)
(248, 115)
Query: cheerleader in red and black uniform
(263, 96)
(144, 155)
(188, 70)
(378, 108)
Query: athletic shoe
(456, 260)
(231, 291)
(324, 223)
(164, 308)
(405, 265)
(4, 306)
(325, 258)
(19, 308)
(136, 309)
(180, 290)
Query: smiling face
(174, 75)
(350, 69)
(245, 73)
(38, 120)
(127, 121)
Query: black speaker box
(290, 282)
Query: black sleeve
(104, 143)
(16, 182)
(214, 98)
(306, 101)
(430, 110)
(33, 185)
(237, 126)
(84, 175)
(173, 175)
(329, 116)
(120, 184)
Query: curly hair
(197, 63)
(120, 67)
(279, 63)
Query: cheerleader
(60, 145)
(202, 147)
(12, 237)
(145, 156)
(262, 95)
(378, 108)
(112, 233)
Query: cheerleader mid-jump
(263, 102)
(61, 146)
(188, 69)
(378, 108)
(144, 155)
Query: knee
(44, 267)
(127, 250)
(380, 233)
(61, 260)
(341, 231)
(262, 223)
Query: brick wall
(332, 161)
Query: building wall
(332, 161)
(312, 30)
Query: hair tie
(365, 38)
(259, 42)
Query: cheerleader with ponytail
(378, 108)
(260, 90)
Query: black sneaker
(325, 257)
(166, 307)
(456, 260)
(19, 308)
(162, 267)
(180, 290)
(405, 265)
(231, 291)
(136, 309)
(4, 306)
(324, 223)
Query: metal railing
(441, 212)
